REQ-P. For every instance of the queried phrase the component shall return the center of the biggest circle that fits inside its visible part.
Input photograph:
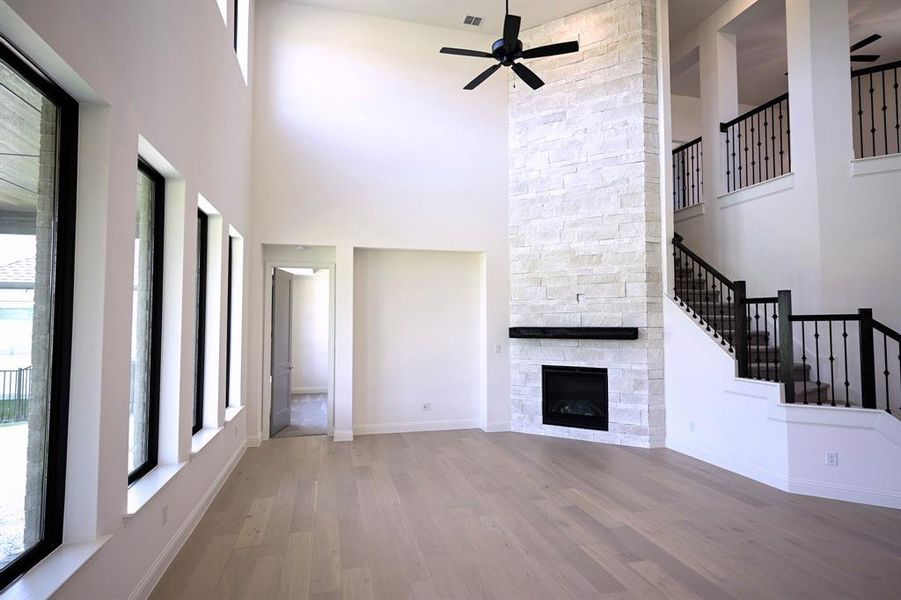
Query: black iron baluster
(816, 355)
(700, 171)
(759, 152)
(728, 181)
(860, 116)
(766, 150)
(885, 371)
(804, 357)
(722, 317)
(831, 365)
(847, 383)
(781, 151)
(766, 341)
(872, 116)
(884, 115)
(756, 337)
(788, 137)
(733, 128)
(775, 344)
(745, 165)
(706, 301)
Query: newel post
(740, 318)
(867, 359)
(786, 346)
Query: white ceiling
(450, 13)
(761, 44)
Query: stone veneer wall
(585, 216)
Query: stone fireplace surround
(585, 247)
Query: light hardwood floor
(465, 514)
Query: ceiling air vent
(473, 21)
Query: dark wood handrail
(886, 330)
(876, 69)
(677, 242)
(687, 145)
(827, 317)
(753, 111)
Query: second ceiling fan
(509, 49)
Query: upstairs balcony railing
(877, 108)
(758, 144)
(688, 179)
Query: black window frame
(203, 244)
(236, 25)
(156, 321)
(228, 323)
(61, 326)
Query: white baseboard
(416, 426)
(343, 435)
(309, 390)
(494, 426)
(153, 575)
(886, 498)
(751, 471)
(253, 441)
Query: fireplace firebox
(574, 396)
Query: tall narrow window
(228, 325)
(200, 320)
(147, 301)
(38, 144)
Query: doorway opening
(300, 351)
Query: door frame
(266, 384)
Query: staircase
(764, 335)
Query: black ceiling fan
(865, 42)
(508, 49)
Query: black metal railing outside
(15, 391)
(688, 174)
(876, 102)
(758, 144)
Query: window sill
(203, 437)
(48, 576)
(875, 164)
(148, 486)
(758, 190)
(689, 212)
(233, 411)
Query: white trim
(690, 212)
(48, 576)
(758, 190)
(495, 426)
(848, 493)
(875, 164)
(343, 435)
(415, 426)
(165, 558)
(746, 469)
(253, 441)
(309, 390)
(203, 437)
(148, 486)
(233, 411)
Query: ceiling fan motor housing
(504, 53)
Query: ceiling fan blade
(866, 42)
(462, 52)
(525, 73)
(511, 30)
(551, 50)
(482, 77)
(865, 58)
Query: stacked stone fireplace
(585, 247)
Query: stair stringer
(743, 426)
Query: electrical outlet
(832, 459)
(497, 349)
(691, 426)
(426, 406)
(165, 514)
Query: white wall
(740, 425)
(416, 340)
(686, 117)
(125, 63)
(309, 332)
(364, 137)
